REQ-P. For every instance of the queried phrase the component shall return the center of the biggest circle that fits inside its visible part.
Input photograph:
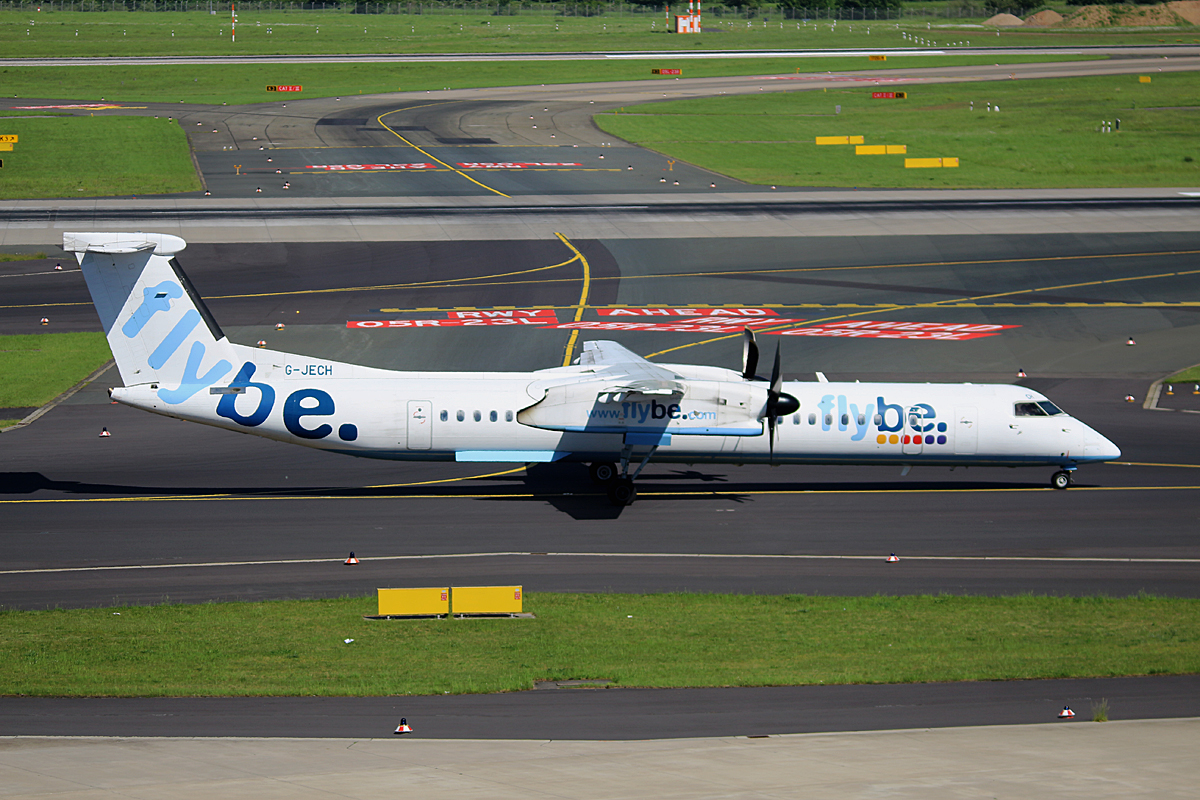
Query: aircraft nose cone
(1099, 448)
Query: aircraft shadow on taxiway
(566, 487)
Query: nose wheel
(1060, 479)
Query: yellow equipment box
(487, 599)
(414, 602)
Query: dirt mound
(1004, 21)
(1188, 9)
(1043, 19)
(1162, 15)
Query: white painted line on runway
(787, 556)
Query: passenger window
(812, 419)
(478, 416)
(445, 415)
(459, 415)
(878, 419)
(845, 420)
(508, 416)
(492, 416)
(795, 419)
(829, 419)
(1028, 410)
(862, 420)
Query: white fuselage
(447, 416)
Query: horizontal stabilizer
(163, 244)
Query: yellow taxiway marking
(698, 493)
(431, 156)
(583, 296)
(1150, 464)
(882, 306)
(524, 553)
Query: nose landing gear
(1061, 479)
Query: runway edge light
(1066, 713)
(893, 558)
(403, 727)
(351, 561)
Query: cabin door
(420, 425)
(966, 430)
(911, 442)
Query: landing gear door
(914, 424)
(420, 425)
(966, 430)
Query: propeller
(779, 402)
(749, 355)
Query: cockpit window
(1050, 408)
(1028, 410)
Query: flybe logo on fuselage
(893, 423)
(640, 413)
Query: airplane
(610, 409)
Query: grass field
(96, 156)
(298, 647)
(56, 33)
(1045, 135)
(1189, 375)
(39, 367)
(246, 83)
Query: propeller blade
(771, 435)
(776, 375)
(749, 354)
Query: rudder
(158, 328)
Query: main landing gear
(1061, 479)
(621, 491)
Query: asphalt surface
(609, 714)
(73, 500)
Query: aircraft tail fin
(158, 328)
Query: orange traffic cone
(351, 560)
(892, 559)
(1021, 374)
(403, 727)
(1066, 713)
(104, 432)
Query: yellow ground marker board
(11, 138)
(926, 163)
(839, 140)
(1143, 78)
(414, 602)
(487, 599)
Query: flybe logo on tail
(299, 405)
(156, 299)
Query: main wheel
(621, 492)
(603, 472)
(1060, 479)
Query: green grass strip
(277, 31)
(39, 367)
(96, 156)
(247, 83)
(664, 640)
(1044, 136)
(1189, 375)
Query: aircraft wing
(633, 372)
